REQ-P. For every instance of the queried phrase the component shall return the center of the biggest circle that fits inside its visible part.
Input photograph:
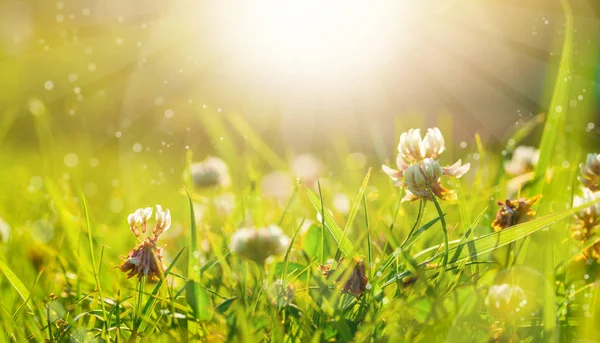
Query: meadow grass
(430, 265)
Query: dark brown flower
(144, 260)
(355, 279)
(513, 212)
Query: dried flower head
(417, 160)
(513, 212)
(258, 245)
(213, 171)
(587, 222)
(590, 172)
(145, 260)
(524, 159)
(504, 301)
(353, 275)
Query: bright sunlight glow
(311, 37)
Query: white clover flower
(145, 260)
(414, 150)
(213, 171)
(277, 185)
(163, 221)
(589, 213)
(524, 160)
(342, 203)
(258, 245)
(4, 230)
(587, 223)
(504, 300)
(138, 219)
(420, 177)
(308, 168)
(590, 172)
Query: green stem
(444, 229)
(422, 205)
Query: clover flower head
(513, 212)
(590, 172)
(258, 245)
(163, 221)
(505, 300)
(308, 168)
(418, 165)
(212, 172)
(145, 260)
(524, 160)
(424, 176)
(587, 222)
(138, 219)
(413, 148)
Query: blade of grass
(95, 268)
(353, 211)
(334, 229)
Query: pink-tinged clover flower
(418, 165)
(145, 260)
(590, 172)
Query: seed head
(504, 301)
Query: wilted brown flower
(145, 260)
(513, 212)
(356, 282)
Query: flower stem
(444, 229)
(422, 205)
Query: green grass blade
(345, 246)
(196, 295)
(490, 242)
(354, 210)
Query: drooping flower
(524, 160)
(353, 275)
(513, 212)
(418, 165)
(587, 222)
(4, 230)
(590, 172)
(505, 300)
(145, 260)
(212, 172)
(258, 245)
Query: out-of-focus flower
(504, 301)
(212, 172)
(277, 185)
(353, 275)
(145, 260)
(590, 172)
(308, 168)
(417, 161)
(524, 160)
(513, 212)
(224, 203)
(258, 245)
(341, 202)
(587, 222)
(4, 230)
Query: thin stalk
(422, 205)
(444, 229)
